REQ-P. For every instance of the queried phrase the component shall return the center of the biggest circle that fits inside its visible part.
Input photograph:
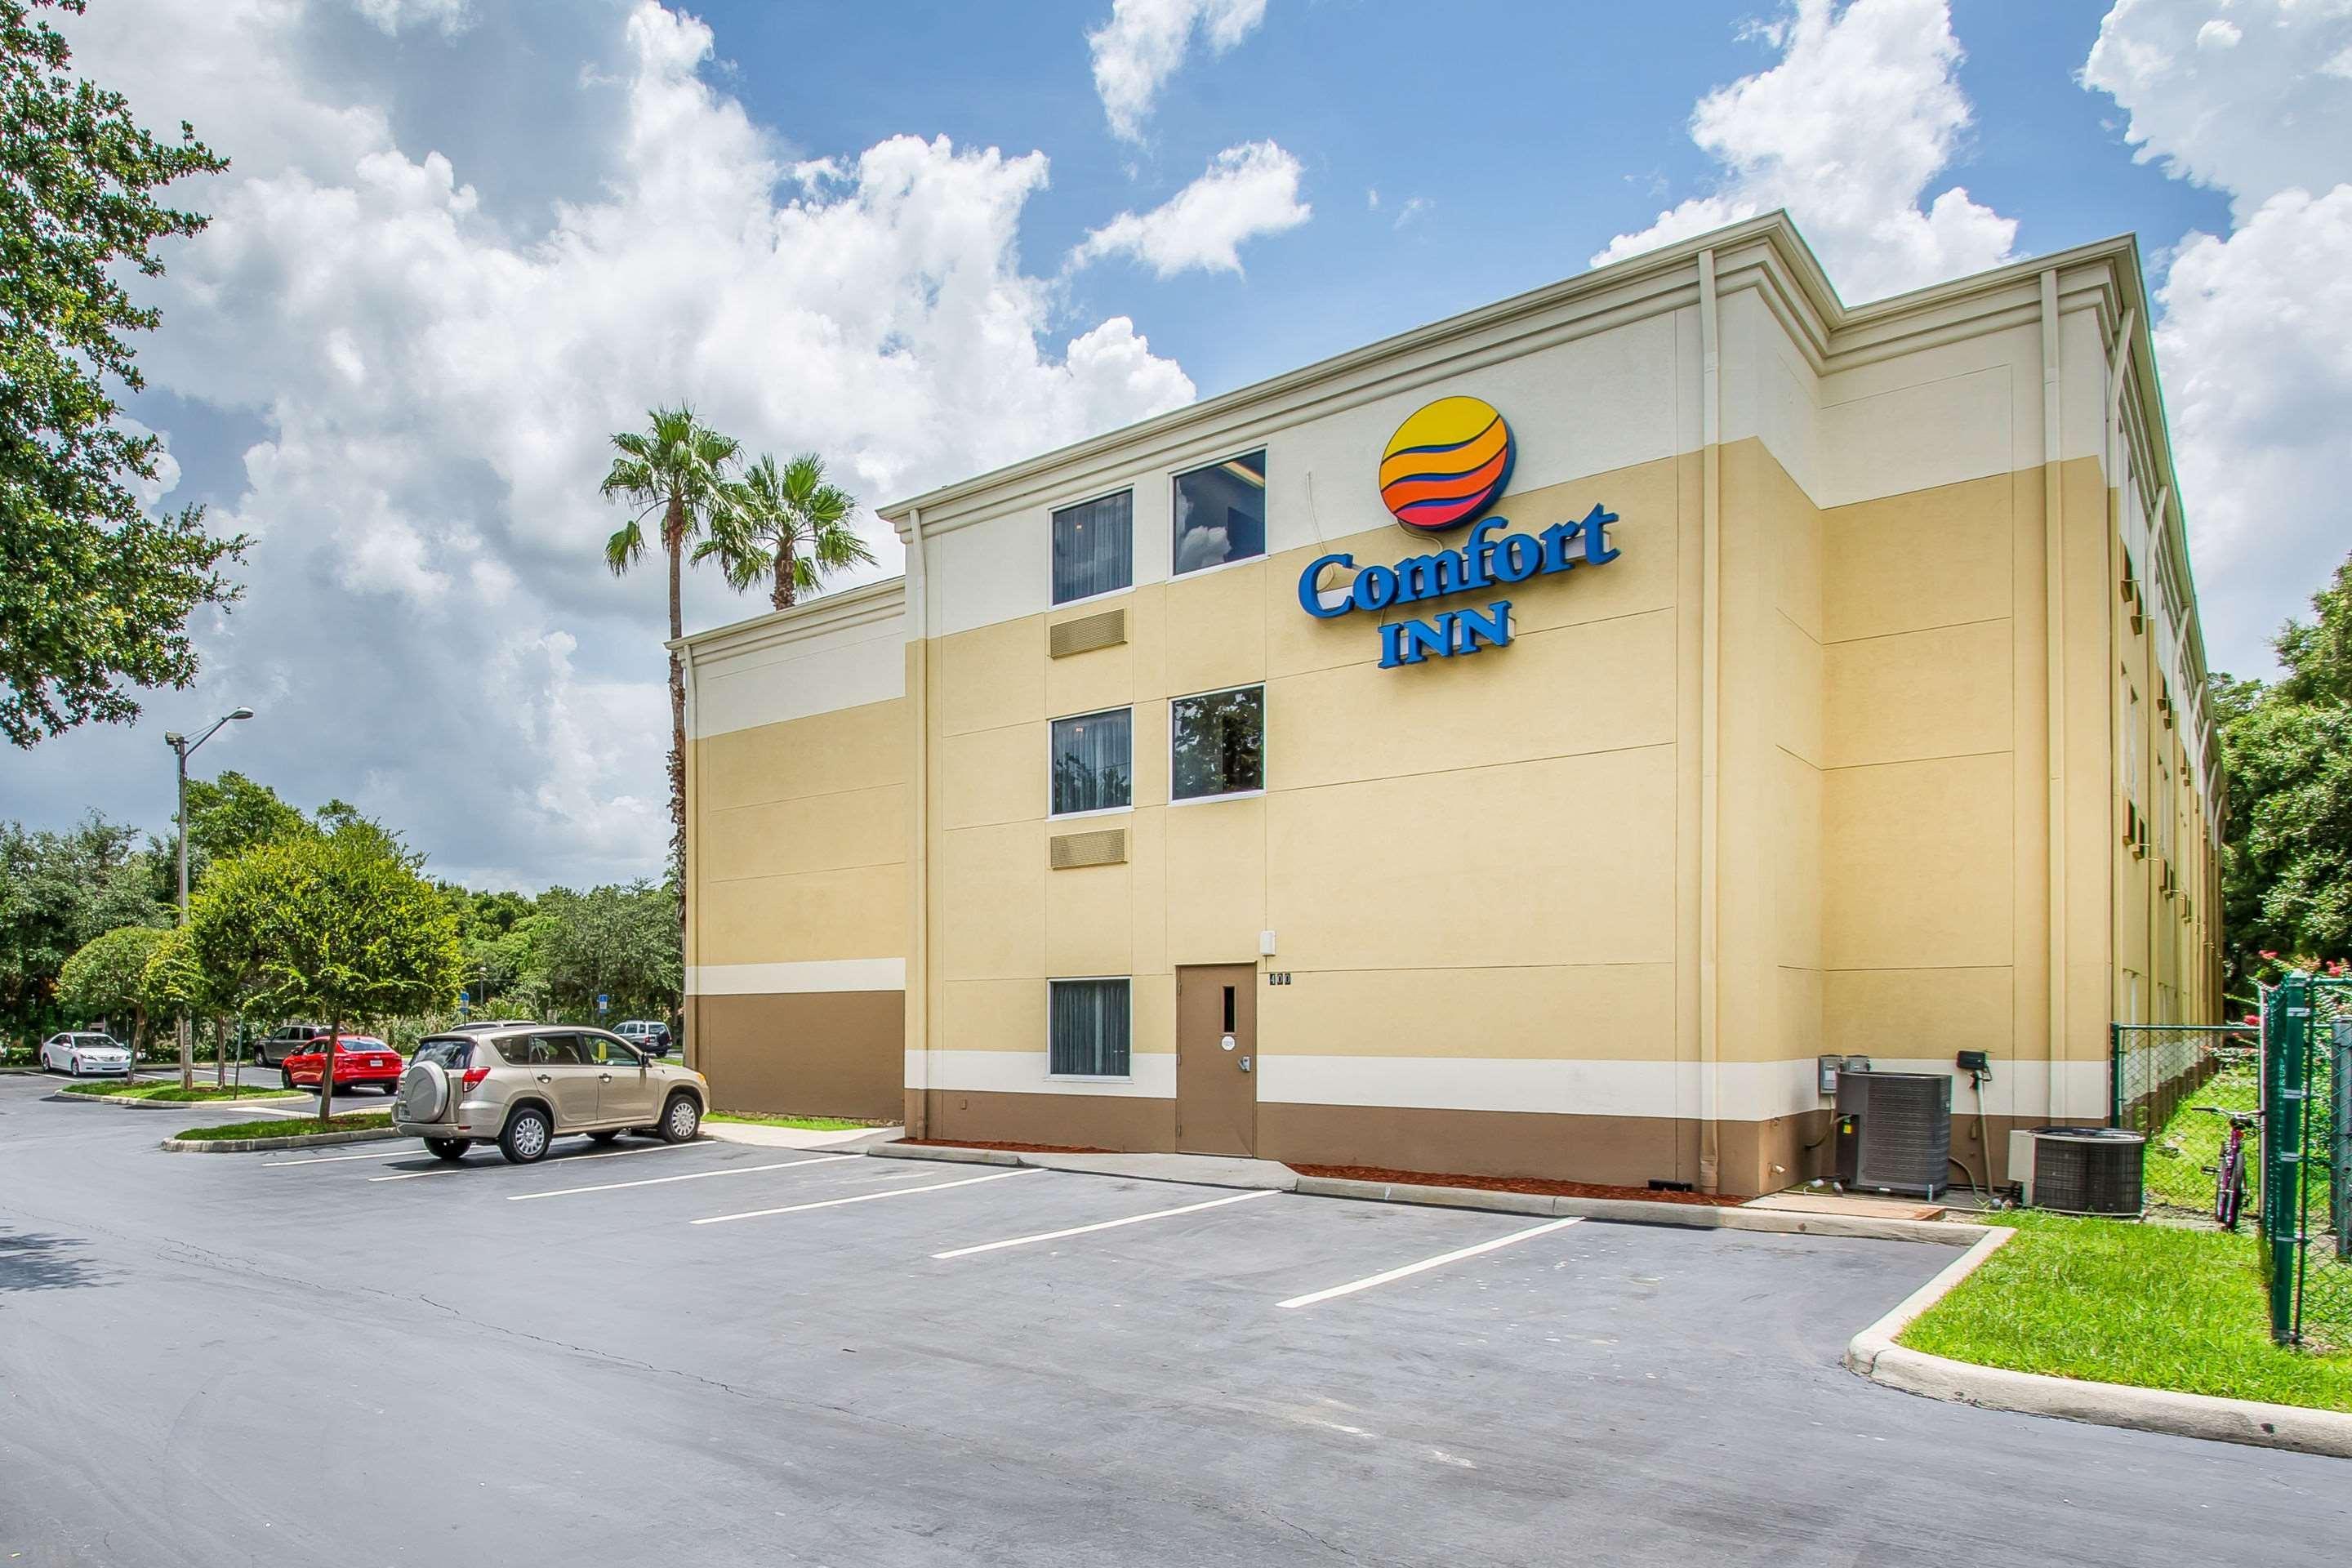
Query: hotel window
(1086, 1022)
(1094, 762)
(1093, 548)
(1217, 744)
(1221, 513)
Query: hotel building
(1526, 745)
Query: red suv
(361, 1061)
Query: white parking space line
(332, 1159)
(690, 1176)
(867, 1197)
(565, 1159)
(1106, 1225)
(1440, 1261)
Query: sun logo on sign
(1447, 463)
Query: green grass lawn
(286, 1127)
(2110, 1301)
(805, 1123)
(115, 1090)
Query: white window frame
(1053, 816)
(1054, 603)
(1267, 721)
(1265, 523)
(1052, 1076)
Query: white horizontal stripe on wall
(788, 979)
(1023, 1072)
(1749, 1091)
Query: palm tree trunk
(784, 594)
(674, 543)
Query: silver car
(525, 1086)
(77, 1054)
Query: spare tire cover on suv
(424, 1092)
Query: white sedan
(79, 1054)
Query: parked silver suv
(525, 1086)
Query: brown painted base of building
(1751, 1157)
(1061, 1120)
(818, 1053)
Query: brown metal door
(1216, 1059)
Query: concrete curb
(257, 1102)
(1637, 1210)
(894, 1150)
(1873, 1353)
(298, 1141)
(1623, 1211)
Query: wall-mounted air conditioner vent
(1084, 633)
(1107, 847)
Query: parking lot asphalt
(357, 1355)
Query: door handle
(544, 1079)
(603, 1077)
(1245, 1065)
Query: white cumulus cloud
(2253, 102)
(2255, 340)
(1848, 131)
(1247, 191)
(1145, 42)
(408, 380)
(392, 15)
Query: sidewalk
(795, 1137)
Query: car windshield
(93, 1040)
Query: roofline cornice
(871, 603)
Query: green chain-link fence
(2308, 1160)
(2165, 1073)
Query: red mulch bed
(1514, 1184)
(1010, 1148)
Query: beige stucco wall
(798, 784)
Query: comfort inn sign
(1446, 465)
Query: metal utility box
(1894, 1132)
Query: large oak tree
(95, 593)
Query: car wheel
(603, 1135)
(450, 1149)
(681, 1120)
(285, 1077)
(526, 1137)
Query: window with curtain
(1088, 1022)
(1217, 743)
(1093, 761)
(1221, 513)
(1094, 547)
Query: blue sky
(464, 240)
(1561, 125)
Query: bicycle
(2229, 1174)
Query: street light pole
(181, 746)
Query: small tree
(340, 926)
(176, 982)
(107, 978)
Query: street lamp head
(173, 737)
(242, 714)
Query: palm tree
(788, 522)
(677, 466)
